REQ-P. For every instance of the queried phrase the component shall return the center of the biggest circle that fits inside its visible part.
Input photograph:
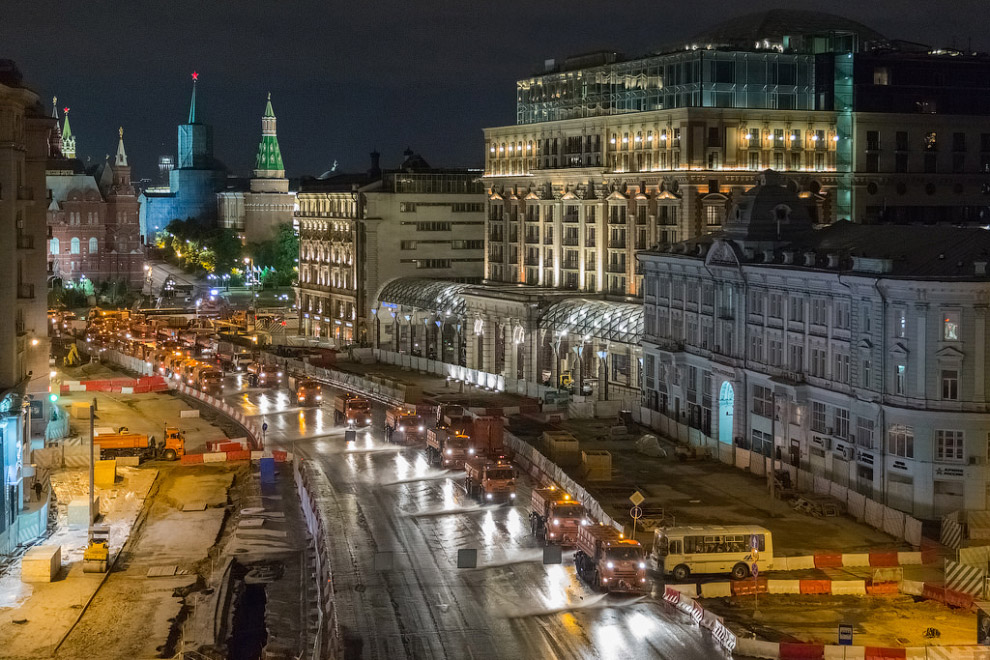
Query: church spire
(192, 103)
(268, 164)
(68, 139)
(121, 160)
(55, 137)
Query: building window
(901, 141)
(713, 216)
(818, 361)
(873, 140)
(762, 443)
(819, 311)
(950, 385)
(841, 429)
(94, 245)
(873, 162)
(756, 348)
(776, 348)
(762, 401)
(74, 246)
(900, 163)
(950, 326)
(900, 323)
(866, 372)
(900, 372)
(776, 305)
(796, 355)
(900, 441)
(949, 446)
(54, 247)
(796, 310)
(864, 432)
(818, 416)
(407, 245)
(881, 75)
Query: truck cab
(404, 424)
(490, 481)
(556, 517)
(264, 375)
(309, 392)
(173, 447)
(351, 410)
(211, 380)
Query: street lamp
(555, 344)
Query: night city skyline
(375, 79)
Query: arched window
(74, 246)
(54, 246)
(94, 245)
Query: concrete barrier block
(755, 648)
(909, 558)
(912, 587)
(79, 511)
(833, 652)
(215, 457)
(257, 455)
(855, 559)
(128, 461)
(41, 563)
(784, 586)
(77, 388)
(800, 563)
(189, 413)
(127, 390)
(716, 589)
(849, 587)
(105, 473)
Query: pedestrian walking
(37, 490)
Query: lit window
(950, 326)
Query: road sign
(754, 542)
(756, 569)
(636, 513)
(636, 498)
(845, 634)
(264, 426)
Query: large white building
(870, 342)
(358, 232)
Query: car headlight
(450, 452)
(488, 496)
(556, 521)
(642, 564)
(609, 565)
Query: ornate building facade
(856, 352)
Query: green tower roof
(269, 155)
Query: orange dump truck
(309, 392)
(351, 410)
(608, 562)
(121, 442)
(555, 517)
(490, 480)
(448, 448)
(402, 424)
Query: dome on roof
(774, 24)
(768, 210)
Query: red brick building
(93, 221)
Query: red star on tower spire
(195, 76)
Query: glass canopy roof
(437, 296)
(609, 321)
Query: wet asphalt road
(392, 508)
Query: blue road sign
(754, 542)
(845, 634)
(756, 569)
(264, 426)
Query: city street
(391, 505)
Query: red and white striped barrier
(875, 559)
(703, 618)
(239, 455)
(755, 648)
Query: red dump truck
(402, 424)
(351, 410)
(555, 517)
(264, 375)
(114, 444)
(448, 448)
(211, 380)
(309, 392)
(490, 480)
(609, 562)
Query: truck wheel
(681, 572)
(169, 455)
(740, 571)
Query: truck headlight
(402, 428)
(584, 523)
(642, 564)
(319, 397)
(280, 374)
(471, 451)
(556, 521)
(610, 565)
(512, 496)
(488, 496)
(367, 420)
(422, 428)
(642, 579)
(450, 452)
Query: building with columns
(25, 131)
(357, 232)
(856, 352)
(609, 156)
(256, 213)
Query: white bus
(681, 551)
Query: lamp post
(395, 330)
(378, 325)
(555, 344)
(603, 356)
(579, 349)
(408, 318)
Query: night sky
(347, 77)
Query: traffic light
(53, 397)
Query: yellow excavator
(72, 358)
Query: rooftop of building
(769, 226)
(774, 25)
(413, 164)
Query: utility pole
(92, 467)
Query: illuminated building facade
(611, 156)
